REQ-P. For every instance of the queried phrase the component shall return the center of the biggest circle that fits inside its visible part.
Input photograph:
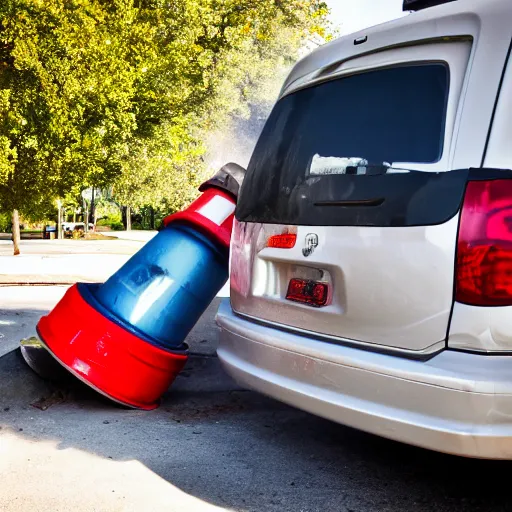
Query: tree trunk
(86, 219)
(128, 218)
(152, 218)
(59, 222)
(16, 236)
(93, 208)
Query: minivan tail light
(284, 241)
(484, 249)
(308, 292)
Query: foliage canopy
(123, 92)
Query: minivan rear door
(355, 168)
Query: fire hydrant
(126, 337)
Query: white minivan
(371, 257)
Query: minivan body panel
(489, 329)
(389, 264)
(388, 353)
(391, 287)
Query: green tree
(102, 92)
(67, 75)
(162, 171)
(226, 59)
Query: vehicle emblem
(311, 244)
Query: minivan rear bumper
(456, 402)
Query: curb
(38, 280)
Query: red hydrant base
(106, 356)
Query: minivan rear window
(321, 142)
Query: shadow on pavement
(239, 450)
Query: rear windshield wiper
(352, 203)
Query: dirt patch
(97, 236)
(44, 403)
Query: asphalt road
(210, 446)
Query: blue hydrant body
(164, 288)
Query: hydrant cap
(228, 178)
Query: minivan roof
(453, 20)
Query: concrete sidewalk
(136, 235)
(64, 261)
(55, 269)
